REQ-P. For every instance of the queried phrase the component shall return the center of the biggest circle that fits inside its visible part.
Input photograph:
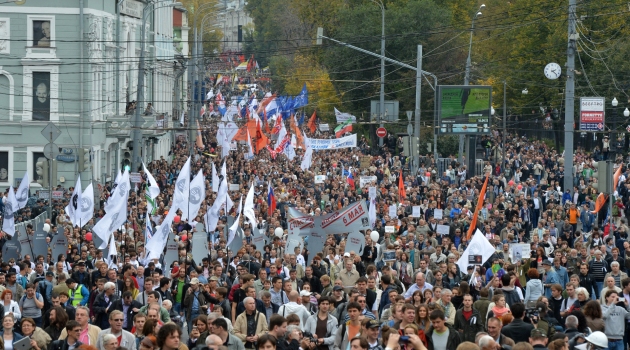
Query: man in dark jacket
(73, 330)
(518, 330)
(103, 305)
(128, 307)
(468, 320)
(439, 325)
(386, 283)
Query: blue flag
(301, 100)
(301, 121)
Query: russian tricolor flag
(350, 179)
(271, 200)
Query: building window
(38, 157)
(41, 96)
(4, 166)
(41, 33)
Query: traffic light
(126, 156)
(42, 172)
(84, 159)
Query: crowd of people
(569, 289)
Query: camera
(533, 314)
(404, 340)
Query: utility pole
(382, 96)
(570, 100)
(416, 131)
(136, 130)
(191, 106)
(504, 148)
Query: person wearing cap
(196, 301)
(79, 294)
(305, 297)
(538, 339)
(550, 277)
(81, 276)
(323, 325)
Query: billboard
(592, 113)
(464, 109)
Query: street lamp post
(467, 77)
(382, 95)
(137, 132)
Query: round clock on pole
(553, 71)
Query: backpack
(615, 210)
(42, 290)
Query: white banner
(344, 142)
(366, 180)
(319, 179)
(349, 219)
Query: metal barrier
(443, 163)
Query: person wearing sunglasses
(73, 330)
(127, 340)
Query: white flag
(117, 214)
(478, 245)
(110, 203)
(344, 117)
(181, 119)
(72, 209)
(212, 216)
(248, 209)
(308, 158)
(215, 179)
(250, 150)
(22, 193)
(372, 211)
(86, 206)
(281, 134)
(225, 148)
(234, 226)
(197, 196)
(154, 189)
(224, 171)
(289, 150)
(182, 186)
(10, 207)
(156, 245)
(112, 254)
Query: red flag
(261, 140)
(401, 187)
(473, 223)
(311, 122)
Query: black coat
(518, 330)
(101, 311)
(118, 305)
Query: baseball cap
(337, 288)
(81, 263)
(305, 293)
(537, 333)
(346, 255)
(372, 324)
(214, 278)
(49, 273)
(194, 281)
(546, 262)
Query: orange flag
(401, 187)
(600, 202)
(241, 134)
(261, 140)
(251, 126)
(473, 223)
(311, 122)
